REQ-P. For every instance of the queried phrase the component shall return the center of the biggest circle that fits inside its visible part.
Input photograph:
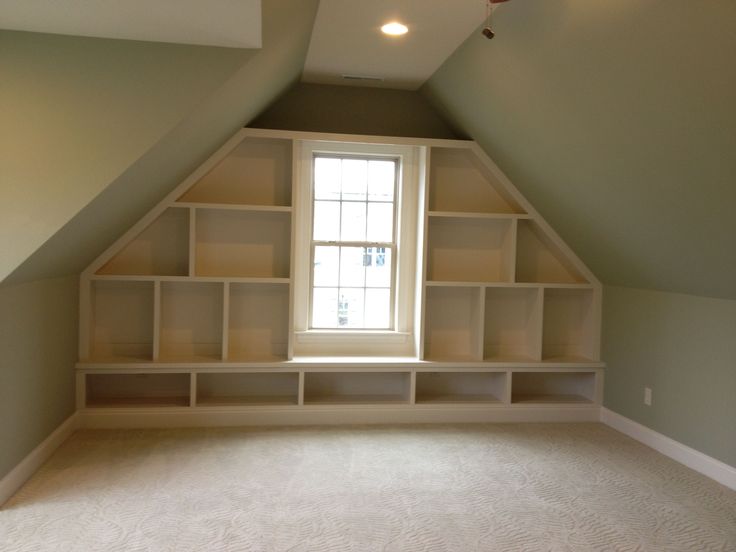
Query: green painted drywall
(354, 110)
(76, 112)
(684, 348)
(38, 349)
(267, 73)
(617, 120)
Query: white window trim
(398, 341)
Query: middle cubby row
(187, 321)
(310, 387)
(510, 324)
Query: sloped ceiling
(117, 200)
(76, 112)
(617, 120)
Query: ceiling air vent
(362, 78)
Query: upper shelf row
(236, 222)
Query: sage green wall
(684, 348)
(76, 112)
(617, 120)
(354, 110)
(38, 349)
(264, 75)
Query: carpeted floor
(402, 488)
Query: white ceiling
(347, 40)
(229, 23)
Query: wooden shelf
(553, 387)
(569, 326)
(121, 321)
(256, 172)
(258, 326)
(470, 249)
(191, 321)
(234, 243)
(513, 324)
(460, 182)
(161, 249)
(262, 389)
(137, 390)
(539, 260)
(356, 387)
(460, 387)
(452, 324)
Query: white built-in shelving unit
(191, 311)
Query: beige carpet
(404, 488)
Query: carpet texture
(551, 487)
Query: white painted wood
(225, 321)
(693, 459)
(421, 267)
(443, 387)
(332, 415)
(138, 390)
(15, 479)
(248, 389)
(156, 320)
(452, 324)
(192, 242)
(570, 325)
(513, 324)
(553, 387)
(538, 258)
(85, 314)
(258, 322)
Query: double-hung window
(353, 246)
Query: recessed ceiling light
(395, 28)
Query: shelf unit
(191, 311)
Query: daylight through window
(353, 242)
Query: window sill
(352, 336)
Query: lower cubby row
(339, 388)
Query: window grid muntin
(364, 244)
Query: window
(353, 247)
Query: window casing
(353, 248)
(396, 336)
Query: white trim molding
(15, 479)
(693, 459)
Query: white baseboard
(104, 418)
(708, 466)
(30, 464)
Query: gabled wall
(617, 120)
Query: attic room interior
(277, 276)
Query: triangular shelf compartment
(460, 182)
(539, 260)
(257, 172)
(162, 249)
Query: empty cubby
(570, 325)
(234, 243)
(460, 182)
(356, 387)
(118, 390)
(191, 321)
(460, 387)
(470, 249)
(259, 322)
(162, 249)
(513, 324)
(226, 389)
(553, 387)
(121, 321)
(256, 172)
(538, 259)
(452, 323)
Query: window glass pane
(326, 220)
(350, 308)
(326, 263)
(381, 180)
(378, 270)
(354, 179)
(353, 222)
(352, 269)
(380, 222)
(324, 308)
(377, 308)
(326, 178)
